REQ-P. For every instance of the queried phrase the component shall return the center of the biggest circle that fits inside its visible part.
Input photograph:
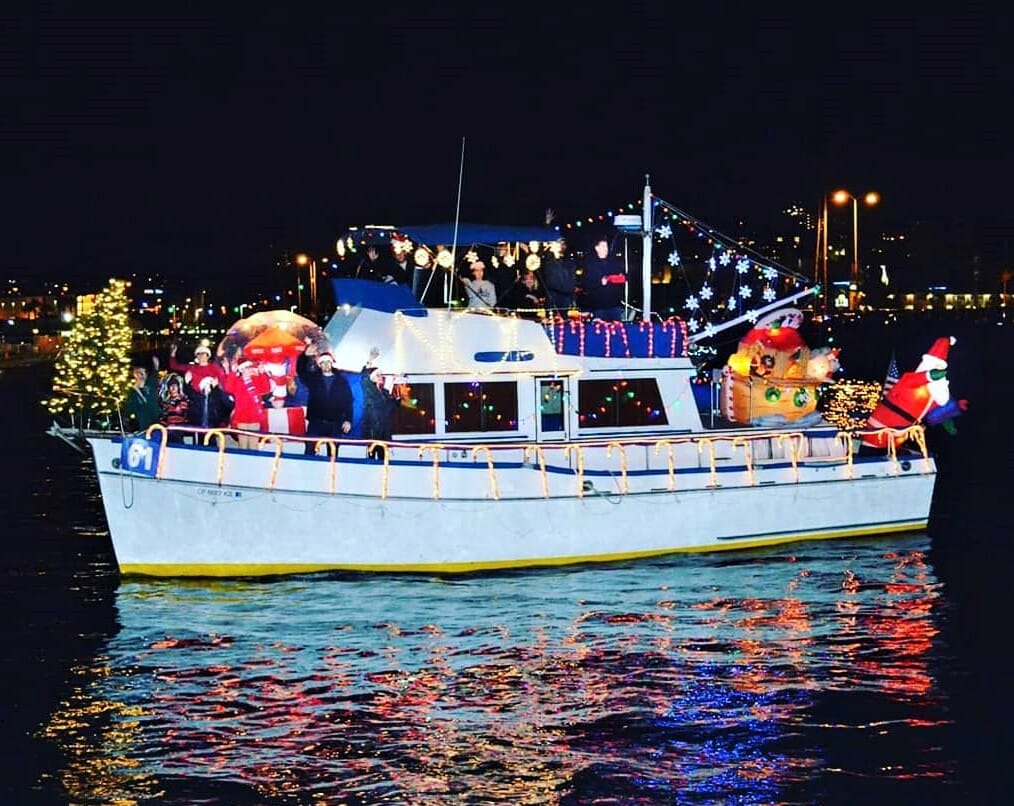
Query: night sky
(200, 141)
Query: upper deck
(418, 340)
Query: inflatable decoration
(270, 343)
(772, 378)
(918, 397)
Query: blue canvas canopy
(385, 297)
(488, 234)
(467, 234)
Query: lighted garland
(848, 404)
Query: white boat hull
(239, 513)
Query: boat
(520, 442)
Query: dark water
(868, 670)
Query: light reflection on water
(759, 677)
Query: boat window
(481, 406)
(415, 414)
(620, 402)
(551, 405)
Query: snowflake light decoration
(720, 276)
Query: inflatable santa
(914, 398)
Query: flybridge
(711, 281)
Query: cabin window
(481, 406)
(620, 403)
(415, 414)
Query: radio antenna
(454, 242)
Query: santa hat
(325, 356)
(936, 357)
(203, 347)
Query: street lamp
(841, 197)
(303, 259)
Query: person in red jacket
(247, 385)
(203, 367)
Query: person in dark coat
(372, 266)
(208, 406)
(560, 275)
(378, 406)
(602, 284)
(525, 297)
(328, 397)
(143, 407)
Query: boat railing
(712, 450)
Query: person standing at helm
(602, 283)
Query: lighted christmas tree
(93, 370)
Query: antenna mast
(454, 244)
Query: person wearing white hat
(209, 405)
(329, 398)
(202, 367)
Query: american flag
(892, 375)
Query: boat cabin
(468, 375)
